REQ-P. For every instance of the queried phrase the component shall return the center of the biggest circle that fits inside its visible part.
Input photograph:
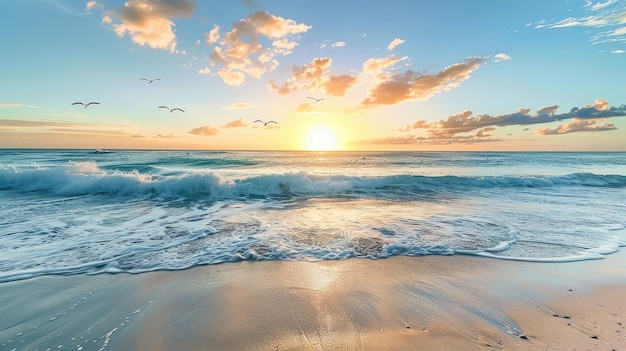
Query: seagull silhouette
(265, 123)
(149, 80)
(85, 104)
(316, 99)
(172, 109)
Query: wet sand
(400, 303)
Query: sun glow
(321, 138)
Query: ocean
(65, 212)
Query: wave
(84, 178)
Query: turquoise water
(95, 211)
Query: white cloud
(231, 77)
(394, 43)
(501, 57)
(205, 70)
(598, 6)
(604, 21)
(252, 45)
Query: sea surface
(94, 211)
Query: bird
(85, 104)
(149, 80)
(172, 109)
(265, 123)
(316, 99)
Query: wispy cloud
(501, 57)
(65, 7)
(63, 127)
(605, 21)
(394, 43)
(251, 47)
(17, 105)
(164, 136)
(148, 22)
(41, 124)
(377, 66)
(239, 106)
(599, 5)
(412, 85)
(90, 5)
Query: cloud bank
(465, 127)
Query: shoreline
(398, 303)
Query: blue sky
(393, 75)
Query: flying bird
(85, 104)
(316, 99)
(172, 109)
(149, 80)
(265, 123)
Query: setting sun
(321, 138)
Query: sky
(450, 75)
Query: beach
(161, 250)
(399, 303)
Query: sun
(321, 138)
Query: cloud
(89, 131)
(90, 5)
(412, 85)
(16, 105)
(578, 125)
(213, 36)
(604, 21)
(40, 124)
(238, 123)
(315, 76)
(64, 127)
(599, 104)
(501, 57)
(164, 136)
(375, 66)
(205, 70)
(394, 43)
(339, 44)
(205, 130)
(413, 139)
(137, 136)
(238, 106)
(147, 22)
(466, 122)
(283, 45)
(231, 77)
(598, 6)
(304, 107)
(244, 51)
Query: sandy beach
(400, 303)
